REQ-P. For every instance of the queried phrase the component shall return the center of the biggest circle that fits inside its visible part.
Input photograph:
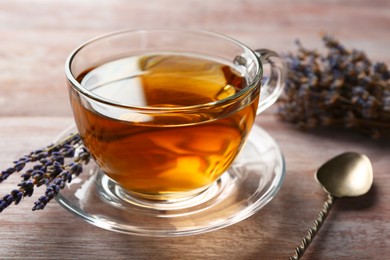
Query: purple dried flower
(27, 187)
(17, 195)
(66, 175)
(325, 89)
(8, 199)
(40, 203)
(51, 191)
(50, 168)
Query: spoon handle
(305, 242)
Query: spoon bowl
(346, 175)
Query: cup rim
(81, 89)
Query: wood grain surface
(36, 37)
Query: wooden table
(37, 36)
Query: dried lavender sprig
(66, 175)
(339, 88)
(38, 155)
(50, 166)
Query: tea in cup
(164, 112)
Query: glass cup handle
(274, 76)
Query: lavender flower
(339, 88)
(50, 168)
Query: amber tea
(153, 153)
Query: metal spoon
(346, 175)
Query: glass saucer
(252, 181)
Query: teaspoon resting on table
(346, 175)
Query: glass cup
(164, 112)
